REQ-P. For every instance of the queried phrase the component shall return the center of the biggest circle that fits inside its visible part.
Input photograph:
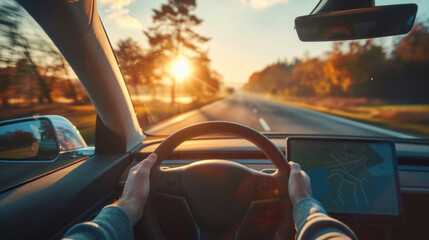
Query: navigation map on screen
(349, 176)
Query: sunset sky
(246, 35)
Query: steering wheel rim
(225, 128)
(228, 128)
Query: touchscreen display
(350, 177)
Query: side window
(35, 79)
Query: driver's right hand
(299, 184)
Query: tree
(61, 69)
(339, 73)
(410, 76)
(19, 46)
(350, 72)
(278, 74)
(203, 80)
(9, 13)
(415, 46)
(311, 78)
(6, 85)
(172, 35)
(132, 62)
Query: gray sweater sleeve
(111, 223)
(312, 222)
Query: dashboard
(412, 158)
(412, 174)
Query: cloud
(128, 22)
(257, 4)
(118, 11)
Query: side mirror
(38, 138)
(360, 23)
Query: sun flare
(181, 69)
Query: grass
(407, 118)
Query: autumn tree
(354, 69)
(172, 36)
(345, 70)
(410, 65)
(311, 78)
(278, 74)
(415, 46)
(357, 69)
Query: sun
(181, 69)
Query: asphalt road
(270, 116)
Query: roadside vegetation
(411, 119)
(384, 83)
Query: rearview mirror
(358, 23)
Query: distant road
(270, 116)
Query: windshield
(186, 62)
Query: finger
(146, 163)
(304, 173)
(149, 161)
(294, 167)
(152, 156)
(136, 167)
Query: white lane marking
(255, 110)
(264, 125)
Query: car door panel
(48, 206)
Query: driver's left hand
(136, 189)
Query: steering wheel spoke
(168, 181)
(267, 187)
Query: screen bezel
(361, 218)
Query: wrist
(130, 209)
(303, 199)
(304, 208)
(296, 199)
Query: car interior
(213, 179)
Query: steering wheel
(218, 195)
